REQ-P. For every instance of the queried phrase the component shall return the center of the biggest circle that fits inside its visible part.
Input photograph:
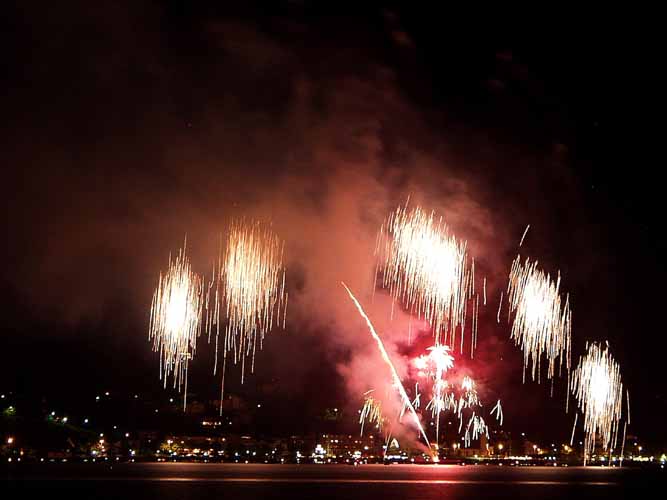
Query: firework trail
(484, 290)
(597, 387)
(394, 375)
(176, 319)
(427, 269)
(251, 283)
(500, 306)
(542, 326)
(524, 234)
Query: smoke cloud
(151, 135)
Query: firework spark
(427, 269)
(394, 375)
(176, 319)
(542, 326)
(597, 387)
(252, 277)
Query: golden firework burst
(542, 323)
(176, 319)
(427, 269)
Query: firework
(441, 358)
(427, 269)
(468, 397)
(476, 427)
(252, 277)
(460, 398)
(394, 375)
(371, 412)
(542, 325)
(597, 387)
(438, 361)
(176, 319)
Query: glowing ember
(426, 268)
(175, 322)
(597, 387)
(542, 326)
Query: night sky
(131, 125)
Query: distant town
(206, 431)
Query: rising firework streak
(427, 269)
(542, 325)
(176, 319)
(524, 234)
(394, 375)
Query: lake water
(318, 482)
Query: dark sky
(132, 124)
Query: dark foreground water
(318, 482)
